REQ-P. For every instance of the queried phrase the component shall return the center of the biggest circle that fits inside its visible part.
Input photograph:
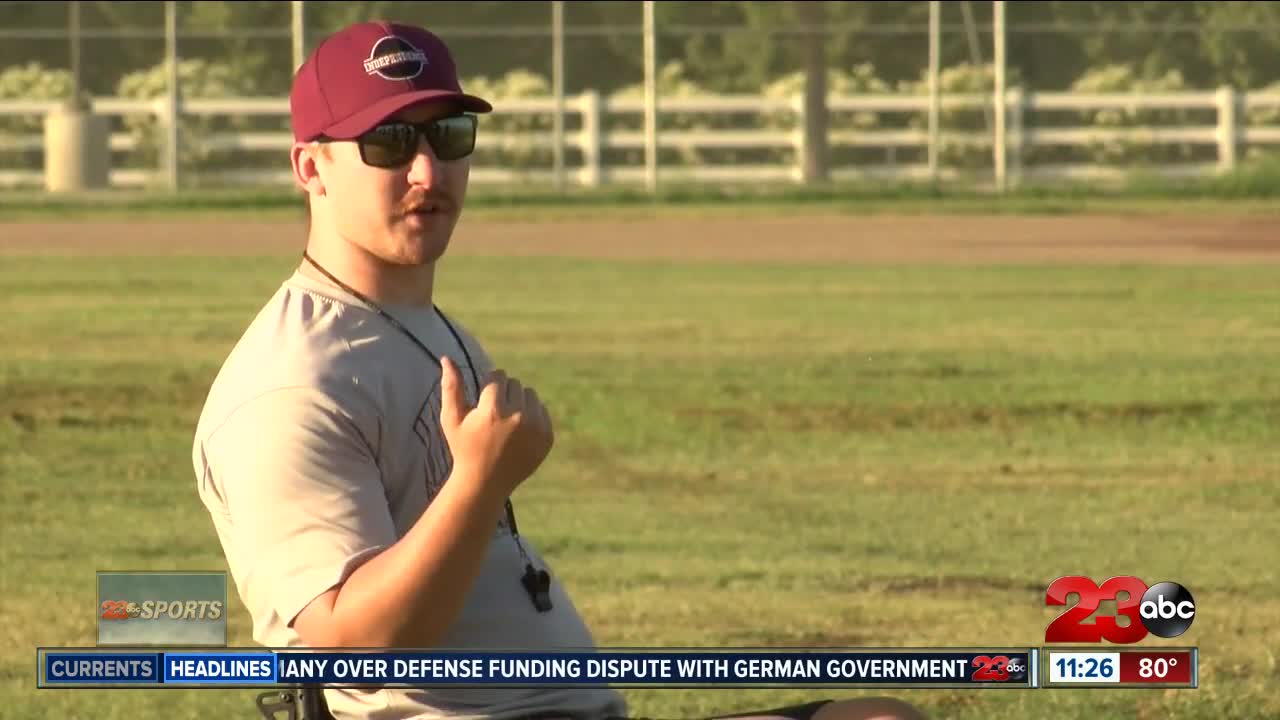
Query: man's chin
(419, 250)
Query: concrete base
(77, 150)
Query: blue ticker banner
(742, 668)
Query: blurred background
(789, 92)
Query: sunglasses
(394, 144)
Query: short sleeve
(303, 495)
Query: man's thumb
(452, 399)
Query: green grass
(1254, 187)
(747, 455)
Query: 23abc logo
(1165, 609)
(999, 668)
(120, 610)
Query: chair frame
(299, 702)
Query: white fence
(1221, 136)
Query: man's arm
(306, 497)
(407, 595)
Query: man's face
(403, 215)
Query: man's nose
(425, 168)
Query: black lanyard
(536, 582)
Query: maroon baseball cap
(361, 75)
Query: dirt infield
(808, 238)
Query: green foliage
(1124, 79)
(330, 17)
(765, 45)
(267, 62)
(502, 147)
(200, 79)
(861, 79)
(1210, 42)
(1242, 59)
(1257, 176)
(672, 82)
(966, 139)
(1264, 116)
(31, 82)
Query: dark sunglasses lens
(453, 137)
(389, 145)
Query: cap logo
(393, 58)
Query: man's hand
(503, 439)
(409, 594)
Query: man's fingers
(453, 399)
(495, 387)
(514, 398)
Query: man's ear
(305, 158)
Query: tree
(1240, 41)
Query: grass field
(1253, 187)
(754, 454)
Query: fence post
(298, 32)
(1228, 102)
(650, 97)
(799, 138)
(935, 33)
(1017, 139)
(1001, 95)
(173, 114)
(557, 89)
(592, 132)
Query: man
(358, 448)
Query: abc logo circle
(1167, 609)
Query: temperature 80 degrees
(1156, 667)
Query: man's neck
(382, 282)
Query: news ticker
(852, 668)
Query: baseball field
(784, 426)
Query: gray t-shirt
(319, 445)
